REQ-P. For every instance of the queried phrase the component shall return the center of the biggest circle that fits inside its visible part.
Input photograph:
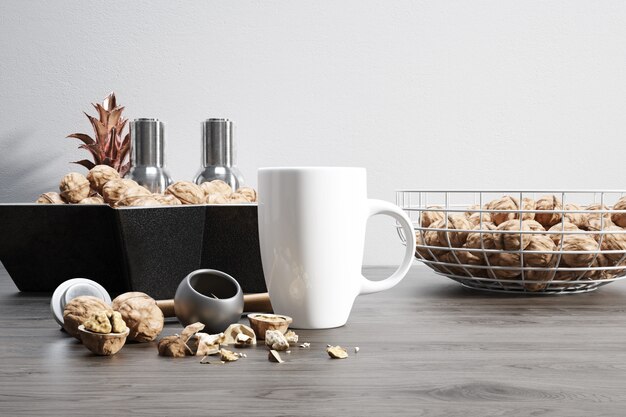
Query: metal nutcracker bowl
(148, 249)
(530, 241)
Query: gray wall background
(436, 94)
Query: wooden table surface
(427, 347)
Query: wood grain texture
(427, 348)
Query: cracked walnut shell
(141, 314)
(80, 309)
(187, 192)
(74, 187)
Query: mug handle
(384, 207)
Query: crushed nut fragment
(228, 356)
(305, 345)
(337, 352)
(356, 349)
(291, 337)
(276, 340)
(274, 356)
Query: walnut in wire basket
(554, 245)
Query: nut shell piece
(274, 356)
(276, 340)
(187, 192)
(228, 356)
(260, 323)
(78, 310)
(236, 329)
(337, 352)
(141, 314)
(100, 175)
(74, 187)
(102, 344)
(172, 346)
(50, 198)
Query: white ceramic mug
(312, 231)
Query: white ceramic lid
(73, 288)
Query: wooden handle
(251, 302)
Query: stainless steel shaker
(147, 149)
(218, 154)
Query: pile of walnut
(103, 185)
(136, 310)
(550, 232)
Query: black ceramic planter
(149, 249)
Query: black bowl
(148, 249)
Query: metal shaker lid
(218, 146)
(147, 142)
(73, 288)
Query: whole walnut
(429, 216)
(509, 203)
(481, 238)
(548, 202)
(216, 199)
(141, 314)
(50, 198)
(470, 257)
(215, 187)
(452, 238)
(96, 199)
(248, 192)
(134, 193)
(512, 241)
(475, 218)
(534, 225)
(74, 187)
(511, 262)
(560, 230)
(79, 310)
(431, 238)
(540, 243)
(187, 192)
(100, 175)
(167, 199)
(141, 201)
(598, 221)
(545, 276)
(619, 218)
(113, 190)
(614, 242)
(577, 219)
(578, 243)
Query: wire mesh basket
(539, 242)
